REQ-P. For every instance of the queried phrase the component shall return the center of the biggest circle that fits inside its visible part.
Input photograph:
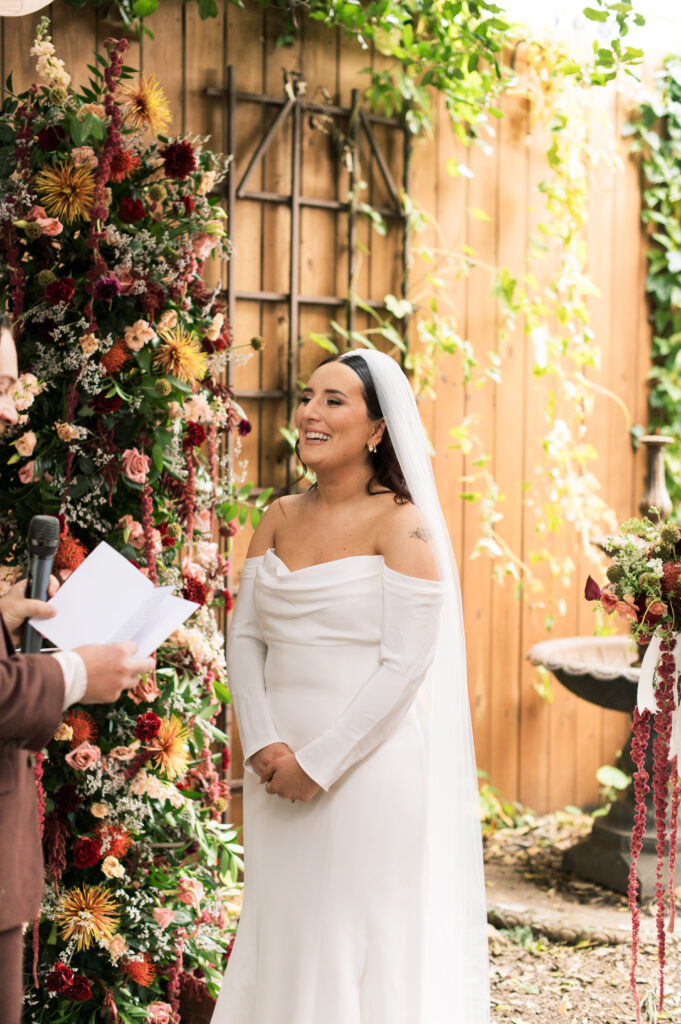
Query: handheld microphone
(42, 542)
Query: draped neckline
(326, 564)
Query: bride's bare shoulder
(277, 513)
(405, 542)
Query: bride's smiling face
(333, 423)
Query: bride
(364, 899)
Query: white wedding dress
(330, 659)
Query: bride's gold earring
(371, 447)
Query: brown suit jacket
(31, 702)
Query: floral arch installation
(351, 130)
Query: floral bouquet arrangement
(125, 419)
(644, 587)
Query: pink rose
(163, 916)
(27, 472)
(190, 891)
(203, 245)
(83, 756)
(136, 465)
(146, 690)
(49, 225)
(26, 443)
(202, 521)
(159, 1013)
(135, 531)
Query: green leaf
(243, 515)
(594, 15)
(221, 692)
(263, 497)
(143, 8)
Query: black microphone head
(43, 535)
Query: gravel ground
(539, 981)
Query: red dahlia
(59, 979)
(147, 726)
(86, 852)
(244, 428)
(194, 589)
(80, 990)
(66, 798)
(196, 434)
(189, 205)
(131, 210)
(152, 300)
(49, 138)
(179, 160)
(61, 291)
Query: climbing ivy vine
(656, 135)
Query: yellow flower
(147, 104)
(179, 354)
(64, 732)
(102, 810)
(169, 748)
(66, 190)
(86, 914)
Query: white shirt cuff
(75, 676)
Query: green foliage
(496, 812)
(655, 134)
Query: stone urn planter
(602, 670)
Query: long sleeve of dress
(411, 620)
(246, 653)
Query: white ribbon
(645, 694)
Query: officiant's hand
(287, 779)
(111, 668)
(266, 756)
(16, 607)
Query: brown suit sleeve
(31, 696)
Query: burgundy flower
(196, 434)
(147, 726)
(61, 291)
(104, 404)
(152, 300)
(225, 759)
(86, 852)
(244, 428)
(60, 978)
(80, 990)
(179, 160)
(219, 345)
(49, 138)
(107, 288)
(592, 592)
(131, 210)
(194, 590)
(189, 205)
(67, 799)
(229, 600)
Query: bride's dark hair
(387, 473)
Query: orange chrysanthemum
(169, 747)
(180, 355)
(70, 553)
(86, 914)
(83, 725)
(117, 356)
(66, 190)
(147, 106)
(123, 162)
(142, 971)
(114, 841)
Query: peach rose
(197, 409)
(64, 732)
(127, 281)
(102, 810)
(26, 443)
(49, 225)
(84, 155)
(163, 916)
(190, 891)
(145, 691)
(117, 946)
(27, 472)
(203, 245)
(125, 753)
(83, 756)
(159, 1013)
(112, 867)
(139, 783)
(134, 530)
(96, 109)
(138, 335)
(216, 326)
(89, 344)
(136, 465)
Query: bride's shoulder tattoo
(420, 534)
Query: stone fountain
(604, 671)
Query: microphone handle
(39, 569)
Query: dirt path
(560, 948)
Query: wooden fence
(542, 753)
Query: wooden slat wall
(543, 754)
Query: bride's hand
(285, 778)
(266, 756)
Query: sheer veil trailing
(455, 965)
